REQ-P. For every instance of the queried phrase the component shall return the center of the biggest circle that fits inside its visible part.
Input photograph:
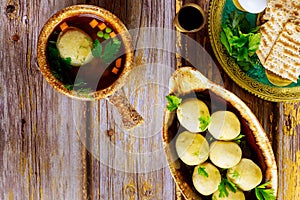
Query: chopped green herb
(226, 43)
(83, 91)
(239, 138)
(55, 33)
(79, 83)
(110, 50)
(88, 39)
(79, 87)
(83, 47)
(214, 198)
(61, 70)
(224, 185)
(116, 40)
(60, 67)
(173, 102)
(240, 40)
(97, 49)
(254, 40)
(67, 62)
(202, 171)
(69, 87)
(204, 122)
(196, 153)
(235, 174)
(263, 193)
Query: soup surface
(99, 66)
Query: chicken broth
(99, 72)
(248, 146)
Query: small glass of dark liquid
(190, 18)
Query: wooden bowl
(188, 82)
(93, 11)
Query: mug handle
(130, 117)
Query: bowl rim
(92, 10)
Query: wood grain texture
(288, 151)
(131, 164)
(53, 147)
(41, 156)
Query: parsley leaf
(238, 138)
(202, 171)
(240, 40)
(69, 87)
(263, 193)
(110, 51)
(173, 102)
(235, 174)
(224, 185)
(236, 19)
(204, 121)
(97, 49)
(80, 89)
(84, 92)
(59, 67)
(254, 40)
(76, 86)
(226, 43)
(196, 153)
(242, 55)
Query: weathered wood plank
(288, 151)
(132, 164)
(41, 156)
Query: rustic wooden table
(44, 134)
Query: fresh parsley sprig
(80, 89)
(202, 171)
(262, 192)
(240, 40)
(107, 53)
(110, 51)
(239, 138)
(173, 102)
(224, 185)
(196, 153)
(235, 174)
(85, 92)
(59, 67)
(204, 122)
(97, 49)
(79, 84)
